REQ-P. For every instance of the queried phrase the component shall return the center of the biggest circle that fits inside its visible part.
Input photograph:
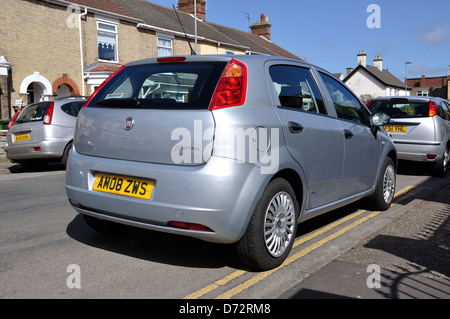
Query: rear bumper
(418, 151)
(220, 194)
(48, 149)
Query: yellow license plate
(121, 185)
(22, 137)
(396, 128)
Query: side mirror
(380, 119)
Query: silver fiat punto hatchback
(227, 149)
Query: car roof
(408, 97)
(221, 57)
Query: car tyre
(440, 168)
(385, 187)
(66, 154)
(271, 231)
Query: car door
(362, 148)
(313, 138)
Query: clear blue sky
(329, 33)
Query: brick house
(45, 54)
(430, 86)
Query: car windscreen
(32, 113)
(161, 86)
(401, 108)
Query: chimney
(262, 27)
(362, 58)
(349, 70)
(188, 7)
(378, 63)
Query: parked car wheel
(440, 168)
(385, 187)
(272, 228)
(66, 154)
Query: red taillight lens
(48, 115)
(432, 109)
(171, 59)
(232, 87)
(11, 123)
(103, 84)
(190, 226)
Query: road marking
(399, 197)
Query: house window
(164, 46)
(422, 93)
(107, 41)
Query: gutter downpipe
(81, 50)
(195, 18)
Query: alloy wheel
(279, 224)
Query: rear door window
(32, 113)
(163, 86)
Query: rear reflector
(431, 157)
(190, 226)
(171, 59)
(232, 87)
(37, 149)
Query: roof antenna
(187, 39)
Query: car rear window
(161, 86)
(32, 113)
(401, 108)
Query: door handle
(295, 128)
(348, 134)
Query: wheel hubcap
(279, 224)
(389, 184)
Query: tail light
(232, 87)
(171, 59)
(103, 84)
(433, 109)
(11, 123)
(48, 115)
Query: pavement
(407, 258)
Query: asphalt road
(47, 251)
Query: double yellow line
(399, 197)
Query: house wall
(366, 86)
(31, 33)
(363, 83)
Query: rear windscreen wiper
(128, 102)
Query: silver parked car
(43, 132)
(227, 149)
(420, 128)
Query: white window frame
(116, 47)
(165, 37)
(422, 93)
